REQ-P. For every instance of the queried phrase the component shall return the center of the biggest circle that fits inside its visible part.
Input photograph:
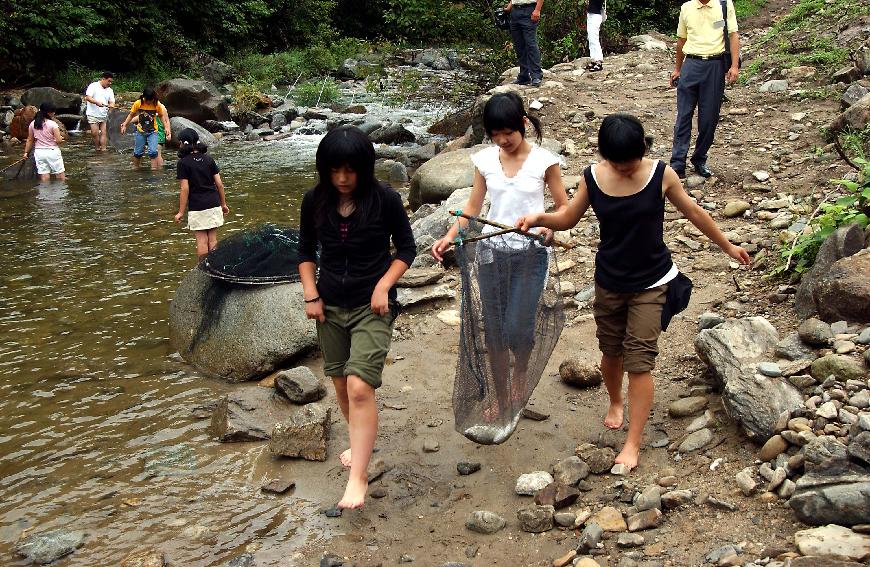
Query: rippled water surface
(96, 432)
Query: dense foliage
(64, 40)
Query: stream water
(96, 431)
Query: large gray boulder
(728, 346)
(64, 103)
(843, 242)
(179, 124)
(732, 351)
(843, 292)
(238, 332)
(249, 414)
(438, 178)
(195, 100)
(217, 72)
(835, 493)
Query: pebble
(709, 320)
(779, 475)
(746, 482)
(687, 407)
(430, 446)
(485, 522)
(334, 512)
(278, 486)
(570, 471)
(530, 483)
(770, 369)
(695, 441)
(844, 347)
(650, 498)
(466, 469)
(864, 337)
(815, 332)
(619, 469)
(676, 498)
(701, 422)
(565, 519)
(590, 537)
(610, 519)
(565, 559)
(827, 410)
(599, 460)
(735, 208)
(625, 540)
(786, 489)
(536, 519)
(644, 520)
(761, 175)
(773, 447)
(668, 481)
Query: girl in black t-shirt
(202, 192)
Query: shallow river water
(96, 432)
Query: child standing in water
(149, 111)
(202, 191)
(514, 173)
(633, 266)
(43, 135)
(353, 217)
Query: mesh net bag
(260, 256)
(511, 319)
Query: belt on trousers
(705, 57)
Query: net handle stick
(532, 235)
(11, 165)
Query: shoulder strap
(725, 18)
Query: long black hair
(188, 142)
(346, 146)
(148, 95)
(505, 111)
(44, 110)
(621, 138)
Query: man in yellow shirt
(700, 75)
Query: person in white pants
(595, 14)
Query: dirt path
(424, 501)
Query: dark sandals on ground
(594, 66)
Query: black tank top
(632, 254)
(594, 7)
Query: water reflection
(96, 432)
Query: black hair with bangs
(621, 138)
(505, 111)
(346, 146)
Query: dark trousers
(702, 83)
(525, 39)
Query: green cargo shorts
(355, 342)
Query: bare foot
(613, 419)
(345, 458)
(628, 456)
(354, 494)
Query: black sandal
(596, 66)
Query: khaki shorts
(355, 342)
(629, 325)
(97, 119)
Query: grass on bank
(75, 78)
(746, 8)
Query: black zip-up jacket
(351, 267)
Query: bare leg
(640, 400)
(155, 163)
(363, 428)
(212, 239)
(201, 243)
(104, 136)
(611, 370)
(136, 162)
(340, 384)
(95, 135)
(45, 177)
(61, 176)
(159, 157)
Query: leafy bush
(852, 207)
(246, 95)
(316, 93)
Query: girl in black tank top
(637, 286)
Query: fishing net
(120, 142)
(511, 318)
(264, 255)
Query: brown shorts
(629, 325)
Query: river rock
(730, 345)
(250, 332)
(774, 86)
(530, 483)
(600, 460)
(644, 520)
(625, 540)
(484, 522)
(21, 120)
(580, 373)
(695, 441)
(217, 72)
(144, 558)
(430, 227)
(646, 42)
(859, 447)
(687, 407)
(304, 434)
(843, 242)
(300, 385)
(64, 103)
(833, 540)
(536, 519)
(180, 124)
(815, 332)
(195, 100)
(843, 292)
(708, 320)
(438, 178)
(853, 94)
(649, 498)
(746, 482)
(392, 134)
(676, 498)
(842, 367)
(735, 208)
(44, 547)
(248, 414)
(793, 348)
(590, 537)
(570, 471)
(610, 520)
(407, 297)
(453, 125)
(772, 448)
(836, 492)
(557, 495)
(419, 277)
(243, 560)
